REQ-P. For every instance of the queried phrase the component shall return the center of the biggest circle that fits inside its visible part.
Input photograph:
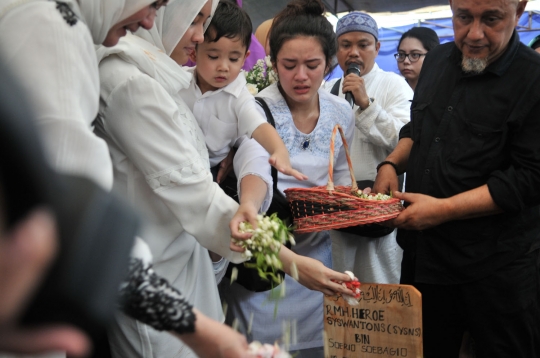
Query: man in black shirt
(471, 229)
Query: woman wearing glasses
(412, 48)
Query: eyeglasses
(159, 3)
(413, 57)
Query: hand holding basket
(334, 207)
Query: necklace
(305, 142)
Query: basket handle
(330, 185)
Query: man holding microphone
(381, 101)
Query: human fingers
(402, 221)
(350, 88)
(407, 197)
(294, 173)
(234, 345)
(386, 181)
(252, 219)
(280, 165)
(25, 254)
(315, 276)
(338, 276)
(236, 248)
(352, 79)
(235, 231)
(337, 280)
(46, 339)
(240, 217)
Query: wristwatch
(369, 104)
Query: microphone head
(353, 68)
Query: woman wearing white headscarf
(161, 166)
(50, 47)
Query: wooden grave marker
(387, 322)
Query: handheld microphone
(353, 68)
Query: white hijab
(99, 15)
(172, 23)
(149, 50)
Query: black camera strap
(335, 88)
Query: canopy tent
(337, 6)
(261, 10)
(528, 28)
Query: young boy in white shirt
(226, 111)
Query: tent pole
(351, 8)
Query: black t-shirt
(470, 130)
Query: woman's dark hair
(230, 21)
(303, 18)
(425, 35)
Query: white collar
(234, 88)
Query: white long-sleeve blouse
(161, 166)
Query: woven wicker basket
(328, 207)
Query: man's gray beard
(473, 65)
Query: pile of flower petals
(366, 194)
(266, 350)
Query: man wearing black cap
(471, 228)
(381, 105)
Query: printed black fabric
(153, 301)
(67, 13)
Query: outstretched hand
(25, 254)
(46, 339)
(246, 212)
(213, 339)
(386, 181)
(283, 164)
(315, 276)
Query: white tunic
(224, 115)
(376, 135)
(56, 65)
(54, 59)
(301, 306)
(161, 166)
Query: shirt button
(450, 108)
(437, 140)
(427, 171)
